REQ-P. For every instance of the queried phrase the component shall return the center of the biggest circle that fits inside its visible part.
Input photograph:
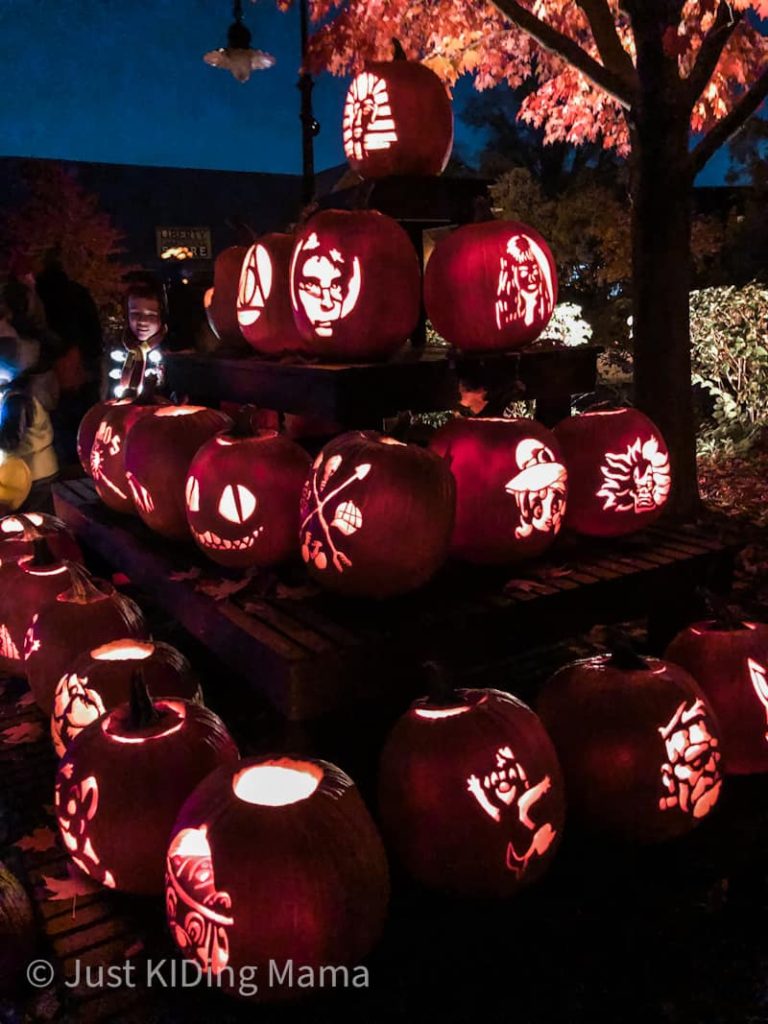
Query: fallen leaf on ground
(68, 888)
(189, 574)
(527, 586)
(26, 732)
(42, 838)
(25, 700)
(219, 590)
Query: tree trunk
(661, 270)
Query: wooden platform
(362, 395)
(309, 653)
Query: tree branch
(612, 53)
(730, 124)
(551, 39)
(725, 24)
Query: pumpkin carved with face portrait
(264, 312)
(376, 515)
(511, 487)
(491, 286)
(355, 285)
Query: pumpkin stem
(243, 422)
(147, 395)
(83, 589)
(398, 53)
(31, 532)
(623, 653)
(718, 609)
(142, 710)
(440, 689)
(41, 552)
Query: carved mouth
(212, 540)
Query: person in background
(145, 336)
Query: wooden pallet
(311, 653)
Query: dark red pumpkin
(264, 311)
(273, 861)
(100, 679)
(376, 515)
(222, 306)
(108, 451)
(398, 119)
(158, 452)
(89, 424)
(243, 494)
(491, 286)
(618, 468)
(355, 285)
(18, 936)
(90, 613)
(19, 533)
(26, 586)
(124, 779)
(638, 743)
(470, 794)
(511, 487)
(729, 660)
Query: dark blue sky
(123, 81)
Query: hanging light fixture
(238, 56)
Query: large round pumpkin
(123, 780)
(398, 119)
(355, 285)
(618, 468)
(729, 660)
(243, 493)
(511, 487)
(15, 483)
(108, 450)
(89, 424)
(100, 679)
(19, 533)
(221, 309)
(276, 861)
(376, 515)
(89, 613)
(158, 452)
(264, 312)
(470, 793)
(638, 743)
(491, 286)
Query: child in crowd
(146, 315)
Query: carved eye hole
(193, 495)
(237, 504)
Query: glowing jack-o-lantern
(87, 614)
(491, 286)
(89, 424)
(19, 533)
(100, 679)
(728, 658)
(376, 515)
(638, 743)
(15, 483)
(511, 487)
(355, 285)
(264, 312)
(275, 860)
(123, 780)
(222, 302)
(242, 496)
(397, 120)
(158, 452)
(470, 793)
(108, 451)
(618, 465)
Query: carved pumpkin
(264, 311)
(26, 586)
(89, 424)
(19, 533)
(355, 285)
(158, 452)
(15, 483)
(638, 743)
(108, 450)
(491, 286)
(376, 515)
(618, 467)
(398, 119)
(91, 612)
(123, 780)
(470, 793)
(243, 493)
(221, 309)
(100, 679)
(511, 487)
(728, 658)
(17, 929)
(275, 860)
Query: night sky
(123, 81)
